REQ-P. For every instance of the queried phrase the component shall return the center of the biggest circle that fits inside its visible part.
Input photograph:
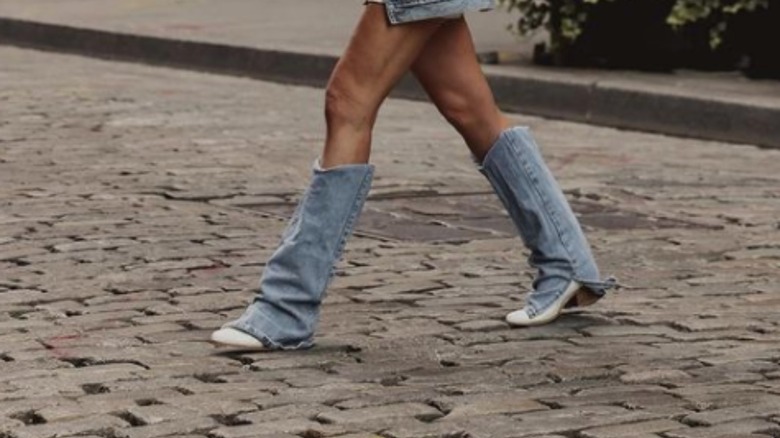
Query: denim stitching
(345, 228)
(546, 203)
(417, 10)
(348, 225)
(349, 222)
(554, 220)
(313, 315)
(411, 3)
(532, 311)
(296, 216)
(391, 14)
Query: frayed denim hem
(265, 339)
(598, 288)
(407, 11)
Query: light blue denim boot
(567, 273)
(285, 312)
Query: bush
(656, 34)
(717, 12)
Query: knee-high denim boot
(285, 312)
(567, 273)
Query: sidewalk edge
(592, 103)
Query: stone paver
(138, 205)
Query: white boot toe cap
(518, 318)
(236, 338)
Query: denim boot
(285, 312)
(567, 272)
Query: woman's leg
(448, 70)
(509, 158)
(285, 312)
(377, 56)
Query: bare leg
(448, 70)
(375, 59)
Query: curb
(595, 103)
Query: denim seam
(420, 10)
(313, 314)
(265, 338)
(391, 14)
(412, 3)
(534, 179)
(295, 216)
(552, 217)
(532, 310)
(347, 226)
(349, 222)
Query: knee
(478, 121)
(343, 105)
(462, 114)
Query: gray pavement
(271, 40)
(138, 204)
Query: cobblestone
(642, 429)
(138, 205)
(487, 404)
(725, 415)
(745, 427)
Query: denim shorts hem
(400, 12)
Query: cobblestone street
(138, 204)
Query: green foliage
(565, 18)
(686, 12)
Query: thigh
(379, 53)
(450, 72)
(448, 67)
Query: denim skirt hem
(406, 11)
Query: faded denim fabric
(404, 11)
(547, 225)
(285, 312)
